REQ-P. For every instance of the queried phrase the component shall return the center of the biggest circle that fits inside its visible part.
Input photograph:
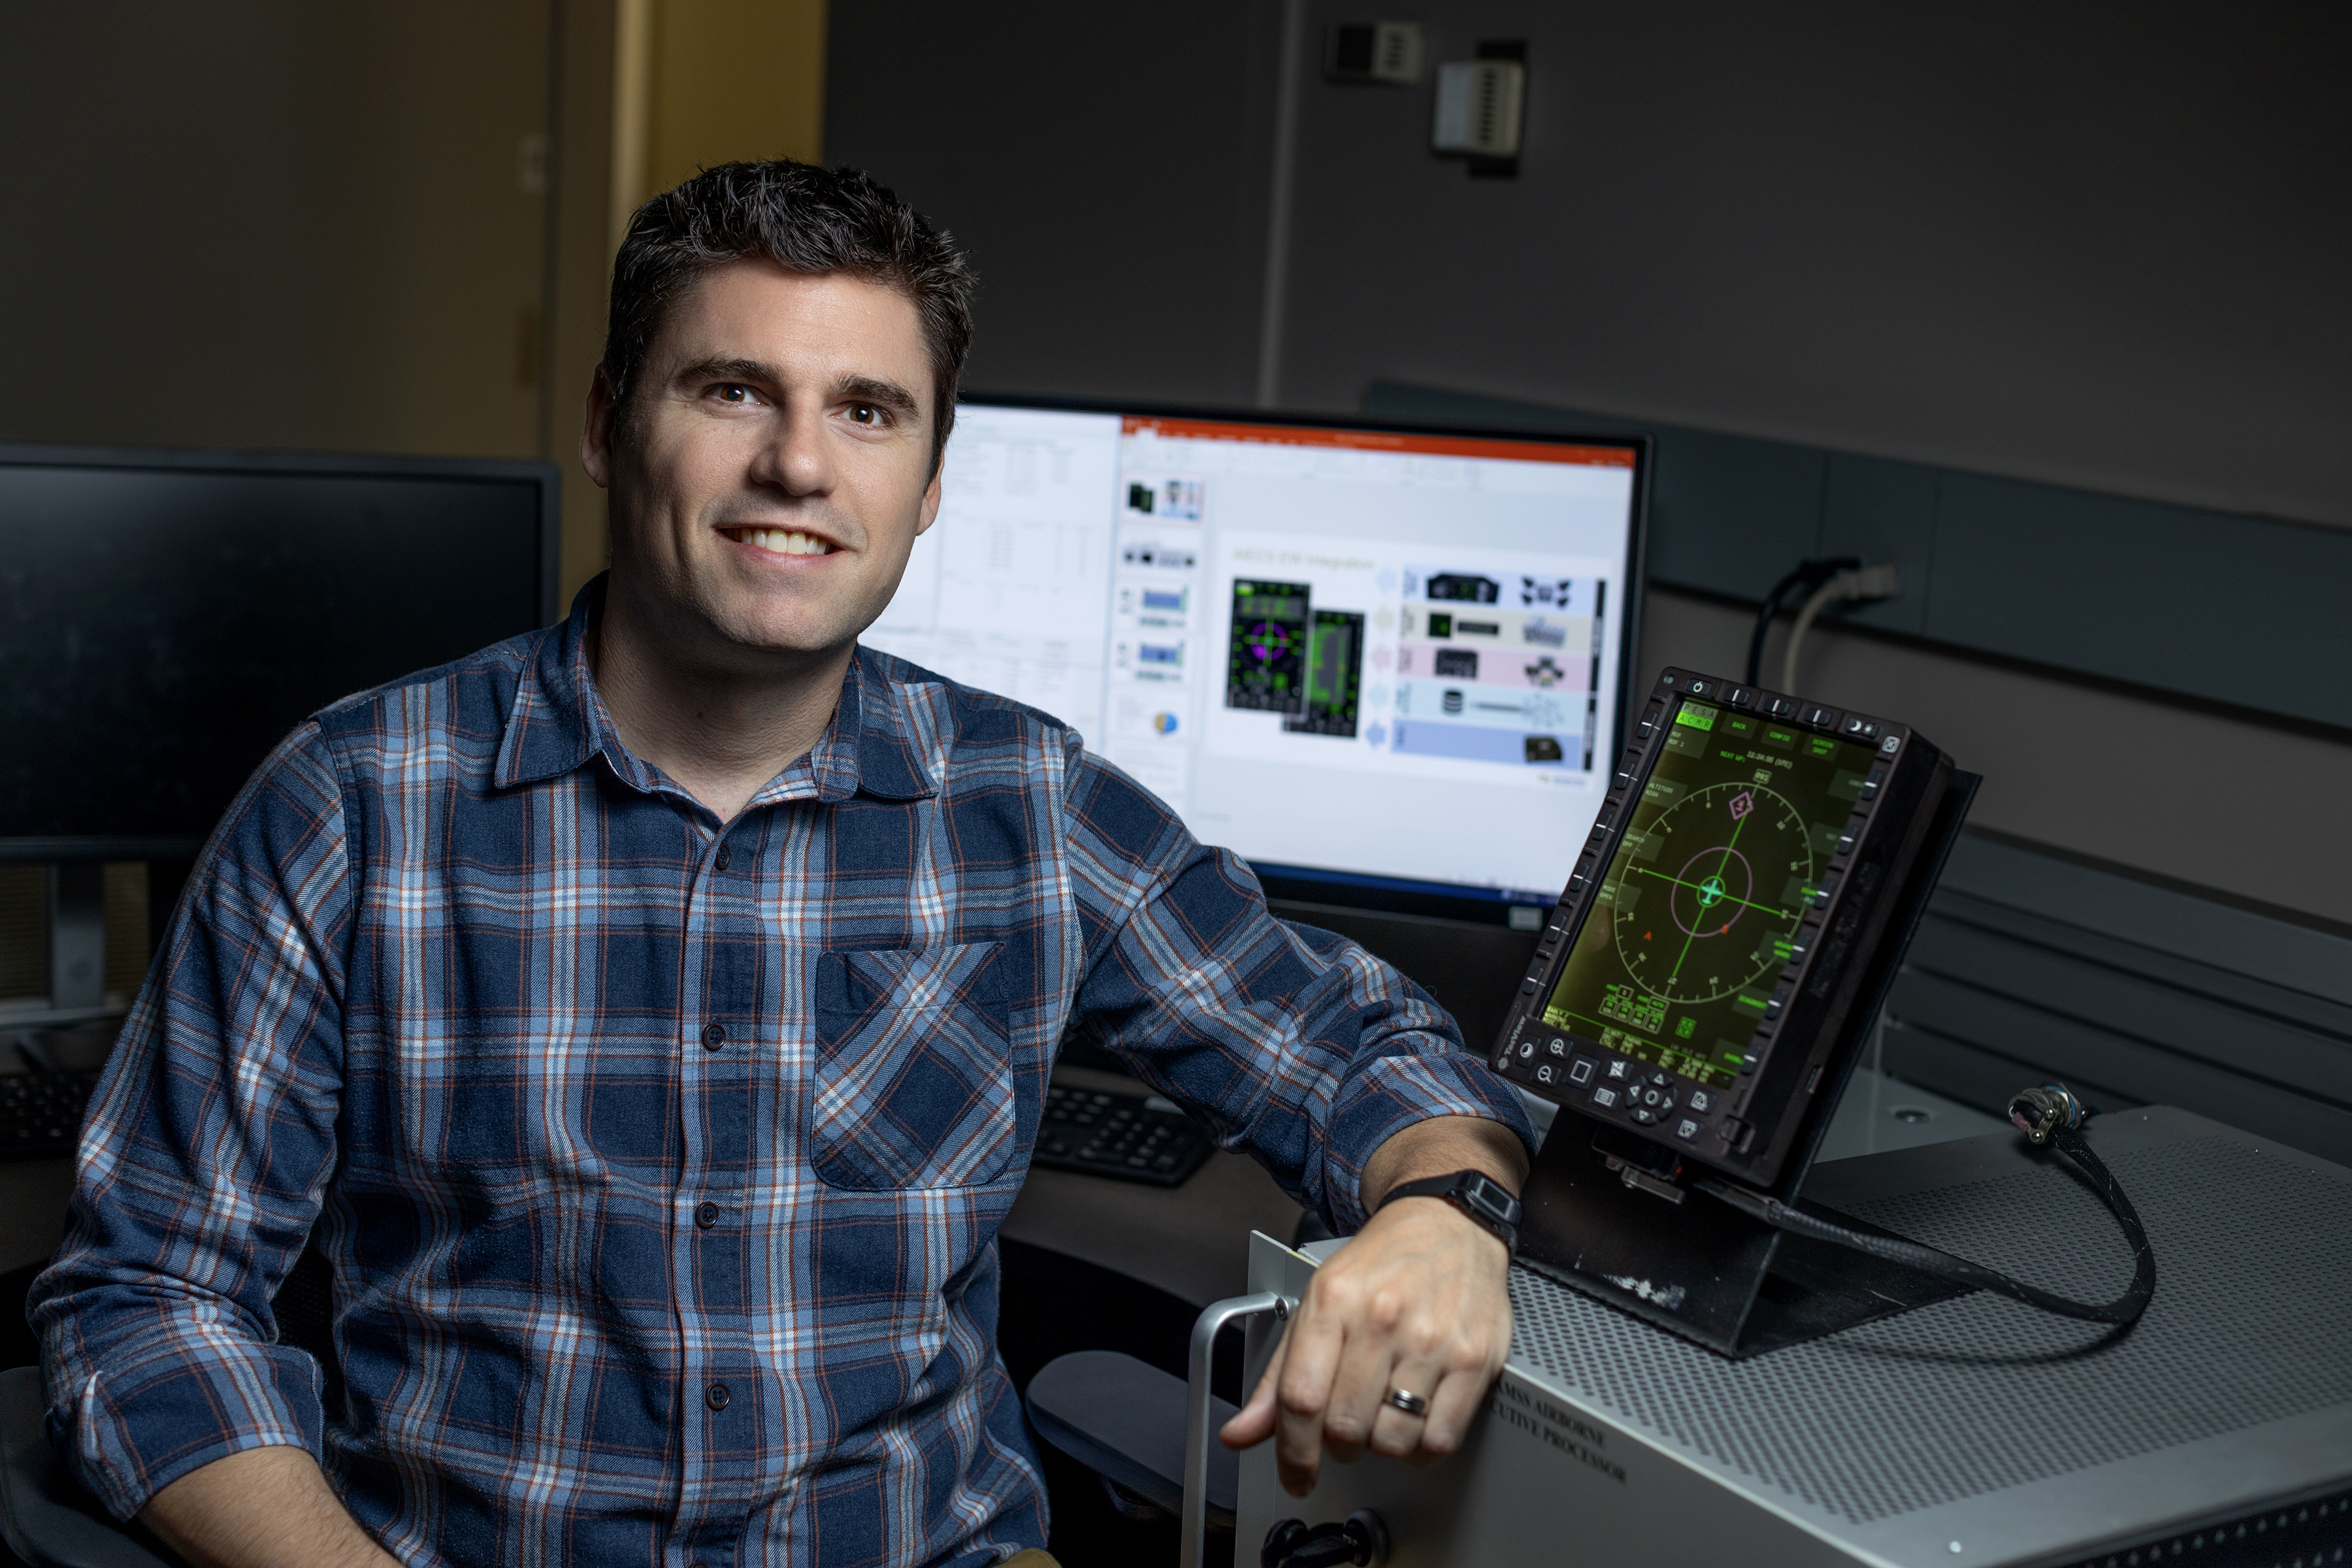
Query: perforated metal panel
(2304, 1535)
(1972, 1396)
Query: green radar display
(1700, 905)
(1335, 675)
(1266, 660)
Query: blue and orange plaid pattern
(660, 1161)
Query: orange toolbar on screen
(1377, 441)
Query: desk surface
(1191, 1241)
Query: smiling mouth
(780, 542)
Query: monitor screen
(1730, 842)
(1363, 659)
(166, 620)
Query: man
(650, 1018)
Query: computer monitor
(1385, 664)
(167, 617)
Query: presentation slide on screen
(1381, 655)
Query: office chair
(51, 1520)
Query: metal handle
(1197, 1437)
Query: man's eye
(866, 414)
(731, 393)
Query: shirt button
(715, 1035)
(717, 1397)
(724, 856)
(705, 1215)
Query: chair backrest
(45, 1515)
(304, 1306)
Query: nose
(796, 459)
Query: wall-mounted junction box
(1480, 104)
(1388, 52)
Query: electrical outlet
(1479, 108)
(1390, 52)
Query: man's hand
(1417, 1301)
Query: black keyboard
(40, 1114)
(1133, 1137)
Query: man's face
(775, 467)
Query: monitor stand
(1601, 1216)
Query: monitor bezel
(1406, 896)
(543, 475)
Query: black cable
(1808, 575)
(2050, 1116)
(1293, 1544)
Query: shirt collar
(557, 721)
(873, 721)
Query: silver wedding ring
(1411, 1403)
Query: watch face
(1491, 1199)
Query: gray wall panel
(1884, 511)
(2292, 952)
(1108, 167)
(2133, 991)
(2126, 1069)
(2236, 609)
(1975, 1075)
(1731, 513)
(2070, 991)
(2239, 609)
(2247, 996)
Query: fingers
(1362, 1383)
(1445, 1386)
(1396, 1434)
(1308, 1364)
(1452, 1406)
(1254, 1423)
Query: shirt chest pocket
(914, 1071)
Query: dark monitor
(167, 617)
(1385, 664)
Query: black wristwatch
(1485, 1200)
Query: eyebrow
(871, 389)
(729, 367)
(860, 388)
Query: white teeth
(779, 541)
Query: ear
(597, 432)
(929, 512)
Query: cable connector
(1880, 582)
(1855, 585)
(2041, 1112)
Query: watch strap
(1480, 1198)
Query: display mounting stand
(1603, 1215)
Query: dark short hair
(805, 219)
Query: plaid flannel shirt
(660, 1161)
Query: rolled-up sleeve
(1290, 1043)
(209, 1142)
